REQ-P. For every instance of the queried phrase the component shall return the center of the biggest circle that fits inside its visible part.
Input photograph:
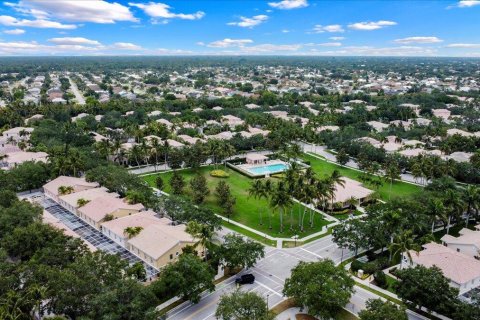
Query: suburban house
(232, 121)
(158, 241)
(107, 207)
(351, 193)
(51, 188)
(462, 270)
(13, 159)
(468, 242)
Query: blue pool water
(269, 169)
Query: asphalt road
(270, 274)
(78, 95)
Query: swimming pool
(268, 169)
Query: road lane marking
(270, 289)
(317, 255)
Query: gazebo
(255, 158)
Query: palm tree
(226, 150)
(165, 150)
(104, 148)
(257, 191)
(454, 201)
(131, 232)
(136, 153)
(334, 180)
(202, 232)
(81, 202)
(417, 170)
(155, 149)
(403, 243)
(281, 200)
(392, 173)
(438, 211)
(472, 198)
(63, 190)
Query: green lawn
(247, 210)
(324, 168)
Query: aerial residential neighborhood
(239, 160)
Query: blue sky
(274, 27)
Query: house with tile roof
(159, 241)
(107, 207)
(462, 270)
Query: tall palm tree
(226, 150)
(455, 203)
(257, 191)
(136, 153)
(334, 180)
(281, 200)
(472, 198)
(155, 150)
(392, 173)
(438, 211)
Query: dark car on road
(246, 278)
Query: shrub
(219, 174)
(356, 265)
(370, 267)
(381, 279)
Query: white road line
(271, 290)
(317, 255)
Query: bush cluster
(219, 174)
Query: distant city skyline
(275, 27)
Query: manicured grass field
(247, 210)
(324, 168)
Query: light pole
(267, 301)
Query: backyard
(247, 210)
(323, 168)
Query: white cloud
(162, 10)
(289, 4)
(330, 28)
(371, 25)
(409, 40)
(97, 11)
(68, 47)
(14, 31)
(330, 44)
(464, 45)
(249, 22)
(336, 38)
(74, 41)
(39, 23)
(125, 46)
(468, 3)
(285, 31)
(227, 43)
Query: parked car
(246, 278)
